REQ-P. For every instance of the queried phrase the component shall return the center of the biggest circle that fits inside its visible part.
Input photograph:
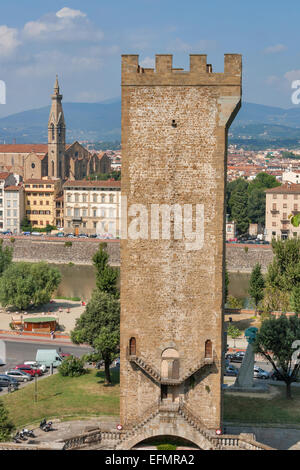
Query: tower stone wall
(174, 138)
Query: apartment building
(92, 207)
(282, 203)
(6, 179)
(13, 211)
(40, 201)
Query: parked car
(82, 235)
(6, 232)
(237, 357)
(36, 365)
(60, 234)
(64, 355)
(19, 375)
(6, 381)
(231, 371)
(29, 370)
(259, 373)
(93, 235)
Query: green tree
(6, 255)
(26, 225)
(295, 299)
(106, 276)
(26, 284)
(275, 341)
(284, 272)
(6, 426)
(233, 332)
(256, 285)
(99, 326)
(238, 203)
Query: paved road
(17, 352)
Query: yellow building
(40, 201)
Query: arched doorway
(208, 349)
(132, 347)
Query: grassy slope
(64, 396)
(277, 410)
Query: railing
(152, 372)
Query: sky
(82, 42)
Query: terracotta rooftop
(290, 188)
(99, 184)
(13, 188)
(23, 148)
(40, 181)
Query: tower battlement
(200, 73)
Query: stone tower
(174, 140)
(56, 135)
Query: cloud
(8, 40)
(65, 25)
(69, 13)
(275, 49)
(203, 45)
(292, 75)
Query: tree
(106, 276)
(284, 272)
(233, 332)
(275, 342)
(226, 284)
(238, 203)
(26, 284)
(6, 255)
(99, 326)
(256, 285)
(26, 225)
(295, 299)
(6, 426)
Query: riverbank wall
(239, 258)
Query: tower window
(52, 132)
(132, 347)
(208, 348)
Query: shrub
(166, 447)
(68, 243)
(12, 239)
(6, 426)
(72, 367)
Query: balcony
(77, 219)
(274, 211)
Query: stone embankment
(239, 258)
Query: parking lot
(18, 352)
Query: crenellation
(200, 73)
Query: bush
(6, 426)
(12, 239)
(166, 447)
(68, 243)
(72, 367)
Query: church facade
(55, 159)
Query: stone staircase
(149, 414)
(155, 375)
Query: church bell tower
(56, 136)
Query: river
(79, 281)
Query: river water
(79, 281)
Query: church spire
(56, 86)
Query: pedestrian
(52, 334)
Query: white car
(34, 364)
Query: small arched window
(132, 347)
(208, 348)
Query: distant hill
(255, 125)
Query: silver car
(18, 375)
